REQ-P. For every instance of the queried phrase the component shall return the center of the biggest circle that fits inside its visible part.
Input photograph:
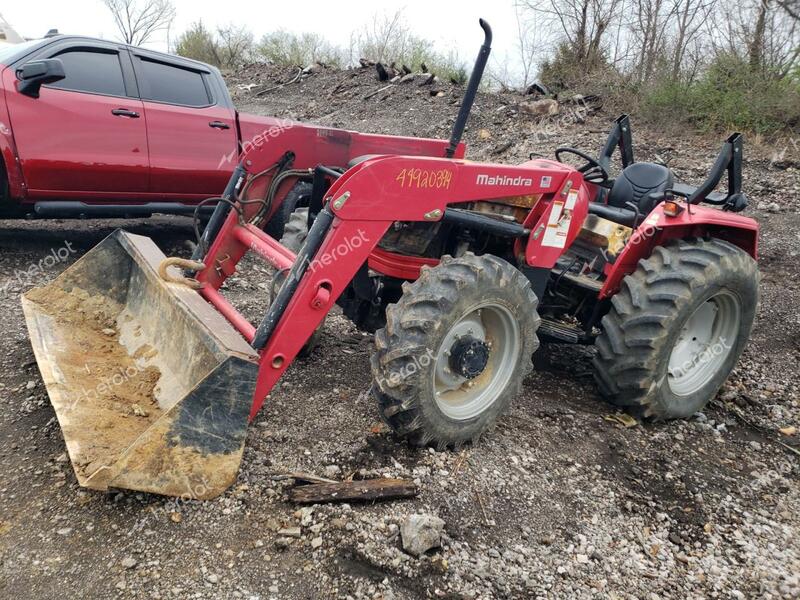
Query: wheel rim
(704, 343)
(462, 397)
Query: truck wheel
(677, 328)
(294, 236)
(297, 196)
(455, 349)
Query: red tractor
(459, 268)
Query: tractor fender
(695, 221)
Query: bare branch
(138, 20)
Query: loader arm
(361, 205)
(298, 148)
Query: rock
(109, 331)
(316, 542)
(420, 533)
(129, 562)
(293, 532)
(30, 385)
(64, 531)
(306, 516)
(332, 471)
(773, 207)
(540, 108)
(212, 578)
(175, 517)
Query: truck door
(191, 127)
(84, 136)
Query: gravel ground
(556, 502)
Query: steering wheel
(593, 171)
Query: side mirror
(37, 73)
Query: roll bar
(619, 137)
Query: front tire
(455, 350)
(297, 197)
(677, 328)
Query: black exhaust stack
(472, 90)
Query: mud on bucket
(152, 387)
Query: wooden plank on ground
(349, 491)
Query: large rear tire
(676, 328)
(455, 350)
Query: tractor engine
(365, 300)
(436, 239)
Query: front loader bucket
(152, 387)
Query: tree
(583, 25)
(691, 18)
(529, 46)
(198, 43)
(792, 7)
(229, 47)
(138, 20)
(285, 48)
(581, 30)
(765, 35)
(389, 39)
(235, 46)
(755, 50)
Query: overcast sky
(450, 24)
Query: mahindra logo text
(503, 180)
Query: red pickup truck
(91, 128)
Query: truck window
(92, 71)
(173, 85)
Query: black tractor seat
(640, 186)
(636, 184)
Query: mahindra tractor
(459, 268)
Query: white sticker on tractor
(555, 235)
(652, 220)
(572, 198)
(545, 182)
